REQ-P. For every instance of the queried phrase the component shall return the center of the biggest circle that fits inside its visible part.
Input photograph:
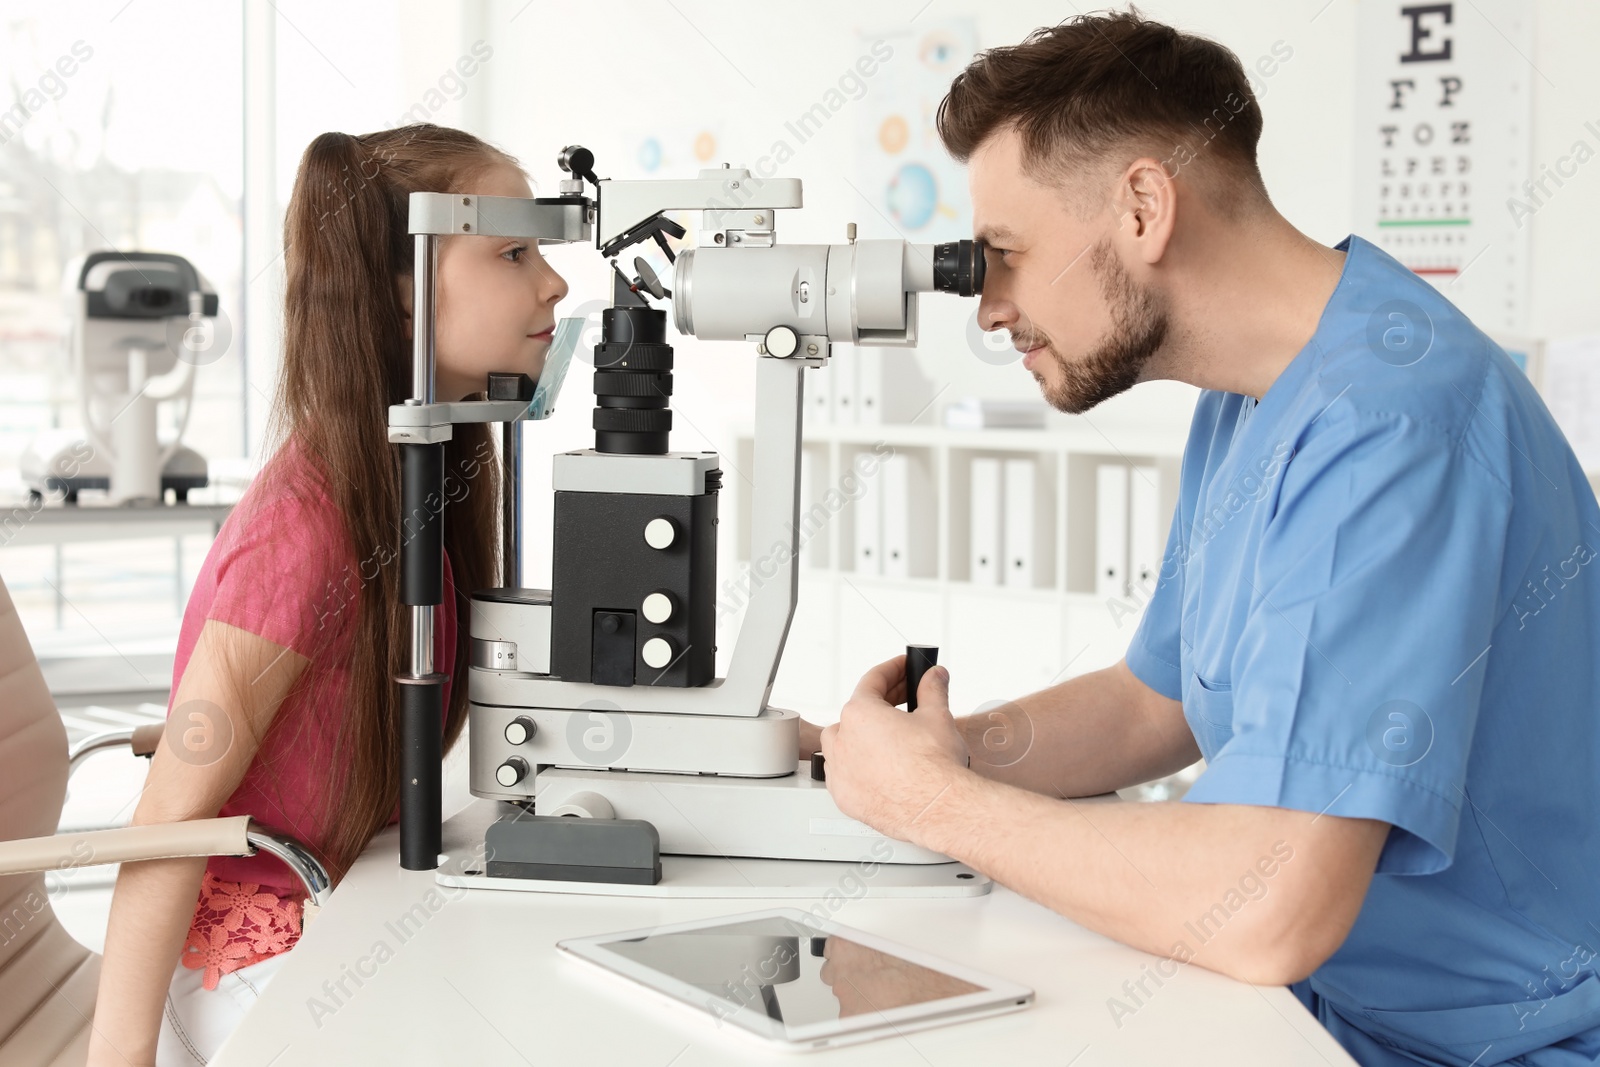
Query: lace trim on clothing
(236, 924)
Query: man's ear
(403, 289)
(1146, 202)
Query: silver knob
(494, 655)
(520, 730)
(511, 772)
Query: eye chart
(1443, 119)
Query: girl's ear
(403, 288)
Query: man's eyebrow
(990, 234)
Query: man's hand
(887, 767)
(810, 739)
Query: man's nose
(994, 313)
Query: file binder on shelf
(987, 513)
(869, 525)
(895, 475)
(1145, 536)
(1020, 524)
(1111, 530)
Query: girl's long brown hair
(345, 360)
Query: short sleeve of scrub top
(1350, 690)
(1155, 654)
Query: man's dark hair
(1103, 89)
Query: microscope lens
(632, 382)
(958, 267)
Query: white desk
(476, 979)
(62, 524)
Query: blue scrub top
(1381, 600)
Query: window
(119, 129)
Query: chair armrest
(231, 836)
(103, 741)
(127, 844)
(312, 874)
(140, 740)
(147, 738)
(234, 836)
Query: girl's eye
(515, 254)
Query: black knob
(919, 658)
(818, 772)
(578, 161)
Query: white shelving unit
(999, 642)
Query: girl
(282, 705)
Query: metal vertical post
(510, 505)
(421, 691)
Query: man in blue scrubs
(1378, 617)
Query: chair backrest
(44, 974)
(33, 765)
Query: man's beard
(1138, 328)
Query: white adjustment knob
(781, 341)
(583, 805)
(511, 772)
(657, 607)
(657, 652)
(660, 533)
(519, 730)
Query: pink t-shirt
(283, 568)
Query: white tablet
(797, 980)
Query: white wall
(1566, 236)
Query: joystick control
(919, 659)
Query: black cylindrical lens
(632, 382)
(958, 267)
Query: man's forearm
(1241, 890)
(1086, 736)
